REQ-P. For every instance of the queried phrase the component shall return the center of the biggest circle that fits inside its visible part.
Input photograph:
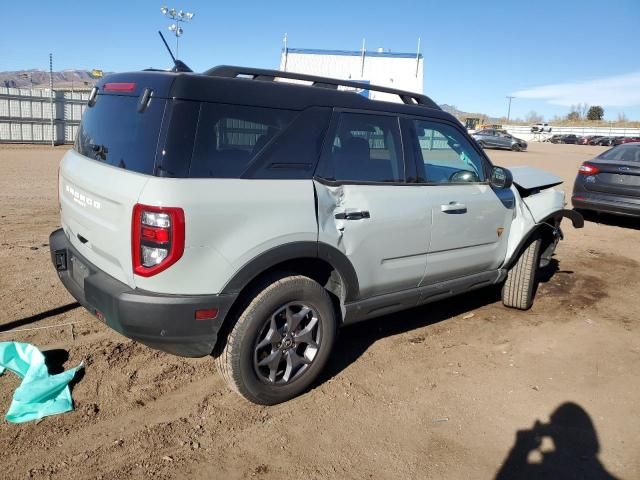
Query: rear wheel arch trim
(296, 251)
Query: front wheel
(482, 144)
(281, 341)
(519, 288)
(516, 148)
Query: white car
(541, 128)
(229, 213)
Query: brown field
(436, 392)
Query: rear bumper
(602, 202)
(164, 322)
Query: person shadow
(574, 452)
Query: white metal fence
(26, 115)
(524, 132)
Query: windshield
(114, 132)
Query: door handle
(453, 208)
(352, 215)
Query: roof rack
(230, 71)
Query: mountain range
(64, 79)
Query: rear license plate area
(79, 271)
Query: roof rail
(229, 71)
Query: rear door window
(114, 132)
(364, 148)
(229, 137)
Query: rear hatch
(618, 172)
(102, 178)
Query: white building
(403, 71)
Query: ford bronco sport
(238, 213)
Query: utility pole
(509, 109)
(286, 51)
(51, 96)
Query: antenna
(178, 65)
(167, 45)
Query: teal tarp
(40, 394)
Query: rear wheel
(482, 144)
(519, 288)
(281, 341)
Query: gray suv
(499, 139)
(227, 213)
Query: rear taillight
(157, 238)
(588, 169)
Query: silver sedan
(489, 138)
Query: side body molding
(295, 251)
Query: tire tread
(518, 289)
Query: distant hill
(64, 79)
(461, 115)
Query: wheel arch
(544, 229)
(323, 263)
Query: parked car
(605, 141)
(229, 213)
(621, 140)
(587, 139)
(499, 139)
(541, 128)
(598, 140)
(573, 139)
(610, 182)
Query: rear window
(623, 153)
(114, 132)
(230, 137)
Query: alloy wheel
(287, 344)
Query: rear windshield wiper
(99, 151)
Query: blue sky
(549, 54)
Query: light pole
(178, 17)
(509, 109)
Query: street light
(178, 16)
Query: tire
(519, 288)
(482, 145)
(294, 357)
(516, 148)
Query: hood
(531, 179)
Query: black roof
(249, 86)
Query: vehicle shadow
(571, 451)
(611, 220)
(39, 316)
(354, 340)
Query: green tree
(595, 113)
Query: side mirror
(501, 178)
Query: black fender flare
(294, 251)
(576, 219)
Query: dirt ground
(436, 392)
